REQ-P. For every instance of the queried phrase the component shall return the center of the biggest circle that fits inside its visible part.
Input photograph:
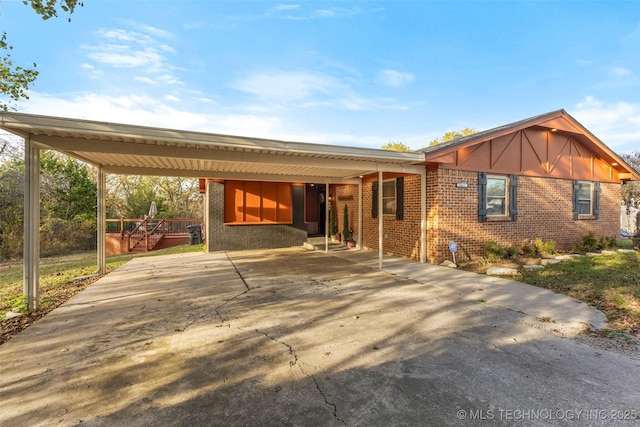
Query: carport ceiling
(140, 150)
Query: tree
(14, 79)
(452, 135)
(68, 187)
(131, 196)
(11, 208)
(632, 188)
(396, 146)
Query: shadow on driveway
(292, 337)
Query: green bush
(544, 247)
(513, 251)
(494, 250)
(588, 243)
(527, 249)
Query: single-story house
(544, 177)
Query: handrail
(145, 232)
(139, 233)
(156, 234)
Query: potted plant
(333, 223)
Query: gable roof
(556, 121)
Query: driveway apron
(300, 338)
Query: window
(497, 197)
(392, 198)
(583, 198)
(389, 197)
(586, 199)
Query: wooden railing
(148, 232)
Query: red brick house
(544, 177)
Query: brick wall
(221, 237)
(399, 237)
(545, 210)
(348, 195)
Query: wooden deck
(139, 235)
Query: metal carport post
(31, 223)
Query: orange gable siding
(533, 152)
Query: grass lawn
(60, 278)
(610, 283)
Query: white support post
(327, 206)
(31, 224)
(360, 214)
(102, 223)
(423, 216)
(380, 220)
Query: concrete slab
(294, 337)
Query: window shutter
(513, 197)
(596, 199)
(482, 196)
(400, 198)
(576, 186)
(374, 200)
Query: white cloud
(147, 111)
(287, 7)
(289, 86)
(617, 124)
(138, 50)
(172, 98)
(394, 78)
(620, 72)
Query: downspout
(31, 225)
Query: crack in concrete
(290, 349)
(296, 362)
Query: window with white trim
(584, 195)
(497, 195)
(389, 197)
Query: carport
(139, 150)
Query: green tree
(68, 187)
(452, 135)
(11, 208)
(15, 79)
(131, 196)
(396, 146)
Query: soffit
(140, 150)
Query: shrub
(512, 251)
(527, 249)
(544, 247)
(588, 243)
(494, 250)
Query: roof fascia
(26, 124)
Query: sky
(356, 73)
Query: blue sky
(337, 72)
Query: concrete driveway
(301, 338)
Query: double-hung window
(497, 197)
(586, 199)
(392, 198)
(389, 197)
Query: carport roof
(140, 150)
